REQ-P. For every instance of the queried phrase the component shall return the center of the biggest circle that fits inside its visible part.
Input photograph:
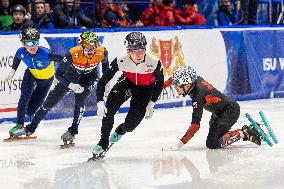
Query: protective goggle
(32, 43)
(92, 42)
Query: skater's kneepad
(212, 145)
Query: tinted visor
(32, 43)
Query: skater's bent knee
(212, 145)
(129, 129)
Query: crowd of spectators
(65, 14)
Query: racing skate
(68, 139)
(19, 132)
(67, 144)
(100, 155)
(266, 137)
(11, 139)
(99, 152)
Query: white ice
(137, 161)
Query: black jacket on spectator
(26, 24)
(63, 19)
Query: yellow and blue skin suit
(37, 79)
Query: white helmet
(184, 75)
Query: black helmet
(29, 34)
(18, 8)
(135, 40)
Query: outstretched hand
(102, 110)
(149, 110)
(174, 147)
(11, 75)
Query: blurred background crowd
(68, 14)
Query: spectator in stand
(209, 9)
(87, 6)
(66, 15)
(87, 9)
(5, 17)
(48, 10)
(226, 14)
(147, 17)
(189, 15)
(117, 15)
(40, 19)
(160, 13)
(100, 9)
(165, 13)
(19, 21)
(136, 9)
(28, 10)
(249, 12)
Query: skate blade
(10, 139)
(100, 156)
(92, 159)
(63, 146)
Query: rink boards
(245, 63)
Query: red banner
(166, 53)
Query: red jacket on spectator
(189, 17)
(148, 16)
(158, 15)
(165, 16)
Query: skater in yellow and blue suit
(38, 76)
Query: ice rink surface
(137, 161)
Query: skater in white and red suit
(141, 80)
